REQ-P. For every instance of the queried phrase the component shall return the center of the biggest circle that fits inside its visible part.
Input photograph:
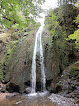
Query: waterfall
(43, 77)
(33, 70)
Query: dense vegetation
(63, 23)
(63, 55)
(18, 13)
(63, 2)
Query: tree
(18, 13)
(67, 14)
(53, 26)
(63, 2)
(75, 35)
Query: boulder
(19, 66)
(28, 90)
(69, 82)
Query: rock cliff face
(18, 67)
(57, 57)
(18, 75)
(18, 64)
(15, 60)
(54, 63)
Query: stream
(37, 99)
(40, 99)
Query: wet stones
(28, 90)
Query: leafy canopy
(63, 2)
(53, 26)
(75, 35)
(18, 13)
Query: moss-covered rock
(56, 57)
(19, 65)
(70, 81)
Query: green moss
(1, 75)
(74, 70)
(73, 73)
(60, 44)
(78, 76)
(7, 56)
(10, 52)
(65, 77)
(76, 84)
(77, 79)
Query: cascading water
(33, 70)
(43, 77)
(38, 43)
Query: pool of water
(39, 99)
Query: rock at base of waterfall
(62, 101)
(28, 90)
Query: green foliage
(1, 75)
(11, 48)
(67, 14)
(74, 71)
(53, 26)
(77, 19)
(16, 13)
(63, 2)
(60, 23)
(1, 71)
(65, 76)
(75, 37)
(37, 25)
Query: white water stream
(38, 43)
(43, 77)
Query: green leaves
(63, 2)
(53, 26)
(75, 37)
(77, 19)
(16, 13)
